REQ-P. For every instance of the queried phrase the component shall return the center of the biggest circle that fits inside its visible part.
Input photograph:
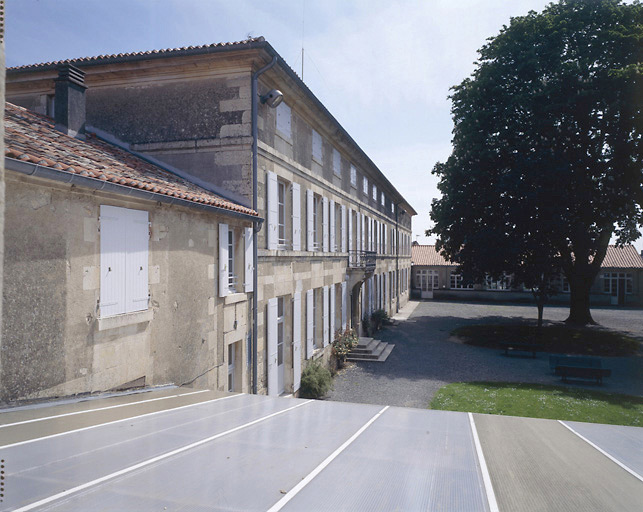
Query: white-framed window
(281, 330)
(353, 176)
(383, 200)
(284, 115)
(502, 284)
(281, 208)
(392, 207)
(231, 366)
(615, 281)
(427, 279)
(365, 185)
(564, 286)
(124, 248)
(337, 163)
(455, 282)
(374, 193)
(232, 278)
(315, 322)
(317, 222)
(317, 147)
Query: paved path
(178, 450)
(424, 359)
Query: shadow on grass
(556, 338)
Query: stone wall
(55, 343)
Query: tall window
(316, 336)
(317, 147)
(280, 331)
(283, 120)
(337, 163)
(281, 202)
(353, 176)
(231, 366)
(317, 222)
(427, 279)
(383, 200)
(374, 193)
(365, 185)
(232, 278)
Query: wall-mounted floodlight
(273, 98)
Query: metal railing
(362, 260)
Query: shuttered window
(317, 147)
(296, 217)
(124, 254)
(283, 120)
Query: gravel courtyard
(424, 359)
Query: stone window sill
(114, 322)
(233, 298)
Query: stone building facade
(112, 269)
(335, 244)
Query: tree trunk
(541, 307)
(579, 313)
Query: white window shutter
(331, 214)
(296, 341)
(386, 291)
(273, 210)
(332, 292)
(344, 304)
(248, 260)
(223, 260)
(137, 235)
(310, 325)
(112, 261)
(350, 229)
(343, 228)
(325, 316)
(271, 317)
(296, 217)
(363, 237)
(360, 236)
(310, 226)
(325, 224)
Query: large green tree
(546, 164)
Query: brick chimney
(69, 101)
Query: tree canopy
(546, 164)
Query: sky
(382, 68)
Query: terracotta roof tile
(116, 56)
(616, 257)
(622, 257)
(427, 255)
(31, 137)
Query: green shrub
(379, 318)
(315, 381)
(343, 343)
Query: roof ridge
(97, 58)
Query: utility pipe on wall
(257, 226)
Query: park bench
(520, 346)
(583, 372)
(579, 367)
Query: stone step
(380, 359)
(365, 349)
(363, 341)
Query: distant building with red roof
(620, 281)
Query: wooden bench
(583, 372)
(520, 346)
(584, 361)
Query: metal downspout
(257, 226)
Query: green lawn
(556, 338)
(540, 401)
